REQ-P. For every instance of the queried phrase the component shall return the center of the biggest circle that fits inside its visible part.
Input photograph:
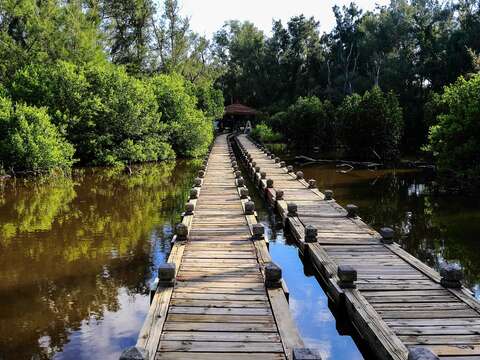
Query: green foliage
(455, 138)
(307, 123)
(109, 115)
(29, 140)
(128, 31)
(264, 133)
(191, 132)
(209, 99)
(371, 124)
(412, 48)
(56, 56)
(45, 31)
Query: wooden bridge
(219, 295)
(400, 307)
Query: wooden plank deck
(398, 302)
(219, 306)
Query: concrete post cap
(197, 182)
(249, 208)
(311, 231)
(258, 230)
(328, 194)
(292, 209)
(421, 353)
(166, 272)
(273, 272)
(189, 207)
(279, 194)
(387, 235)
(243, 193)
(290, 168)
(347, 276)
(201, 173)
(387, 232)
(299, 175)
(451, 272)
(134, 353)
(346, 273)
(181, 230)
(193, 193)
(352, 210)
(305, 354)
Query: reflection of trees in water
(432, 228)
(30, 206)
(68, 245)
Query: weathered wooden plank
(286, 326)
(220, 346)
(194, 310)
(232, 336)
(218, 356)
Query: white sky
(207, 16)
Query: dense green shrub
(264, 133)
(307, 123)
(278, 122)
(109, 115)
(29, 140)
(209, 99)
(191, 132)
(371, 124)
(455, 139)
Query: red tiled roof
(239, 109)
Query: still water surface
(77, 255)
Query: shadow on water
(77, 255)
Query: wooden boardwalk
(396, 302)
(219, 296)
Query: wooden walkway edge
(401, 307)
(219, 296)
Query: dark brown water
(77, 255)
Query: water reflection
(433, 227)
(308, 302)
(76, 257)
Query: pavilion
(236, 116)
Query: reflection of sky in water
(309, 305)
(106, 338)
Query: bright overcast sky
(207, 16)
